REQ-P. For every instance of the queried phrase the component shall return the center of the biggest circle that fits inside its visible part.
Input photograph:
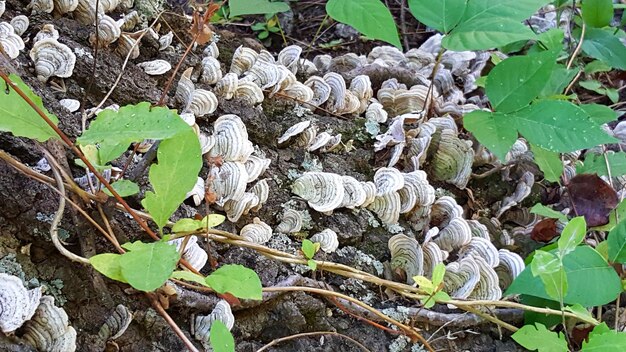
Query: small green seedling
(263, 29)
(434, 287)
(309, 249)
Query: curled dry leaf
(544, 230)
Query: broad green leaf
(486, 33)
(308, 248)
(581, 312)
(220, 337)
(572, 235)
(549, 162)
(516, 81)
(538, 338)
(599, 329)
(237, 280)
(597, 164)
(618, 214)
(124, 188)
(147, 266)
(92, 154)
(493, 130)
(612, 94)
(548, 320)
(17, 117)
(442, 15)
(617, 243)
(604, 45)
(192, 225)
(179, 161)
(256, 7)
(429, 302)
(545, 263)
(547, 212)
(424, 284)
(114, 131)
(597, 13)
(586, 270)
(559, 126)
(438, 273)
(441, 296)
(552, 39)
(189, 276)
(609, 341)
(599, 114)
(603, 249)
(596, 66)
(370, 17)
(548, 267)
(108, 264)
(560, 78)
(518, 10)
(312, 264)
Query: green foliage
(256, 7)
(549, 162)
(309, 249)
(597, 164)
(370, 17)
(441, 15)
(19, 118)
(189, 276)
(192, 225)
(547, 212)
(264, 29)
(617, 243)
(572, 235)
(237, 280)
(433, 288)
(538, 338)
(600, 114)
(220, 337)
(146, 266)
(607, 341)
(597, 87)
(124, 188)
(603, 45)
(597, 13)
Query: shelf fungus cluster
(43, 325)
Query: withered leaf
(592, 198)
(544, 231)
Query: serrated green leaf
(486, 33)
(124, 188)
(370, 17)
(493, 130)
(516, 81)
(308, 248)
(441, 15)
(597, 164)
(108, 264)
(179, 161)
(609, 341)
(439, 272)
(237, 280)
(538, 338)
(256, 7)
(114, 131)
(549, 162)
(586, 270)
(220, 337)
(597, 13)
(18, 118)
(147, 266)
(559, 126)
(604, 45)
(600, 114)
(572, 235)
(547, 212)
(189, 276)
(617, 243)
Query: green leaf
(308, 248)
(581, 312)
(547, 212)
(114, 131)
(17, 117)
(552, 39)
(175, 174)
(493, 130)
(92, 154)
(486, 33)
(596, 164)
(429, 302)
(560, 78)
(617, 243)
(442, 15)
(612, 94)
(600, 114)
(220, 337)
(108, 264)
(441, 296)
(616, 215)
(545, 263)
(516, 81)
(148, 265)
(599, 329)
(603, 45)
(549, 162)
(189, 276)
(596, 66)
(256, 7)
(370, 17)
(597, 13)
(514, 9)
(424, 284)
(312, 264)
(593, 86)
(192, 225)
(438, 273)
(124, 188)
(548, 320)
(572, 235)
(586, 270)
(559, 126)
(237, 280)
(609, 341)
(538, 338)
